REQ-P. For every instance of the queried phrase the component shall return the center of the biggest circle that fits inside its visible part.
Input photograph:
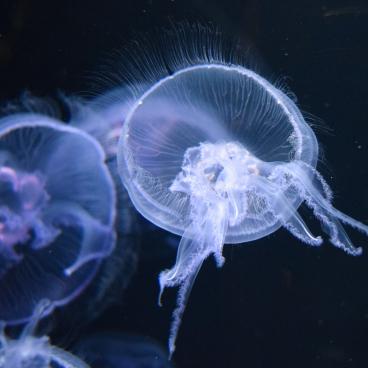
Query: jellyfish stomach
(23, 200)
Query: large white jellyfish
(217, 154)
(57, 211)
(30, 351)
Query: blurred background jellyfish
(117, 350)
(30, 351)
(215, 153)
(57, 211)
(102, 117)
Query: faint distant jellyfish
(116, 350)
(29, 351)
(57, 208)
(217, 154)
(103, 116)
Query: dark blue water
(276, 302)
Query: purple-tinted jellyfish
(57, 209)
(102, 117)
(30, 351)
(115, 350)
(215, 153)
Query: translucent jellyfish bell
(215, 153)
(57, 209)
(29, 351)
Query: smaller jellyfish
(215, 153)
(117, 350)
(57, 212)
(30, 351)
(103, 116)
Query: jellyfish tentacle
(45, 234)
(332, 211)
(219, 222)
(65, 359)
(94, 232)
(204, 236)
(191, 254)
(333, 228)
(41, 309)
(2, 335)
(289, 217)
(32, 351)
(322, 207)
(296, 225)
(189, 251)
(324, 202)
(182, 300)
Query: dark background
(276, 302)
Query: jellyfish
(217, 154)
(30, 351)
(102, 117)
(57, 212)
(119, 350)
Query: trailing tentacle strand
(204, 236)
(320, 202)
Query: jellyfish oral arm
(204, 236)
(317, 195)
(65, 359)
(224, 184)
(282, 209)
(212, 177)
(94, 232)
(30, 351)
